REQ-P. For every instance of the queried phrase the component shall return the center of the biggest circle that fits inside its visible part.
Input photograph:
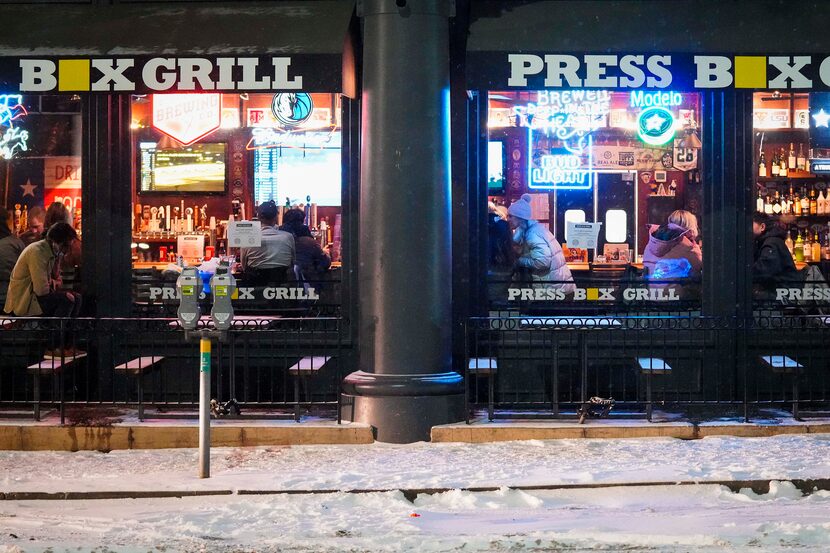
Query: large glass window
(41, 177)
(791, 223)
(204, 162)
(607, 192)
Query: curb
(807, 486)
(31, 437)
(520, 430)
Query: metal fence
(270, 365)
(693, 366)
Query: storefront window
(791, 223)
(608, 195)
(41, 181)
(204, 162)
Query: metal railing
(268, 363)
(695, 366)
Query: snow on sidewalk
(422, 465)
(664, 519)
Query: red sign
(187, 117)
(62, 181)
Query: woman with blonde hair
(673, 255)
(687, 220)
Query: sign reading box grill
(244, 234)
(583, 235)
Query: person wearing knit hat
(540, 253)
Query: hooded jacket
(672, 242)
(542, 255)
(773, 263)
(31, 277)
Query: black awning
(313, 33)
(680, 26)
(683, 28)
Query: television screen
(194, 169)
(495, 166)
(308, 164)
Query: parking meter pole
(204, 408)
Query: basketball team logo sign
(292, 109)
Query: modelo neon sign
(640, 99)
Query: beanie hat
(521, 208)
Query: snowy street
(648, 518)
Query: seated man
(35, 284)
(36, 226)
(268, 264)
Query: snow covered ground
(653, 518)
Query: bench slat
(483, 365)
(307, 365)
(654, 365)
(782, 364)
(139, 364)
(51, 365)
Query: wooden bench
(782, 364)
(50, 367)
(138, 367)
(301, 370)
(487, 367)
(651, 367)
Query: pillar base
(403, 408)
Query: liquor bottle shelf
(801, 177)
(818, 217)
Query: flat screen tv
(308, 165)
(194, 169)
(495, 167)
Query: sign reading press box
(663, 71)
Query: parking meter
(188, 285)
(223, 285)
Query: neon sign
(640, 99)
(565, 112)
(265, 137)
(821, 118)
(11, 108)
(655, 126)
(561, 171)
(13, 140)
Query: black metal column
(406, 384)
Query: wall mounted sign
(655, 126)
(292, 109)
(149, 74)
(564, 169)
(62, 180)
(770, 118)
(640, 71)
(187, 117)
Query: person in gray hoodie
(539, 252)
